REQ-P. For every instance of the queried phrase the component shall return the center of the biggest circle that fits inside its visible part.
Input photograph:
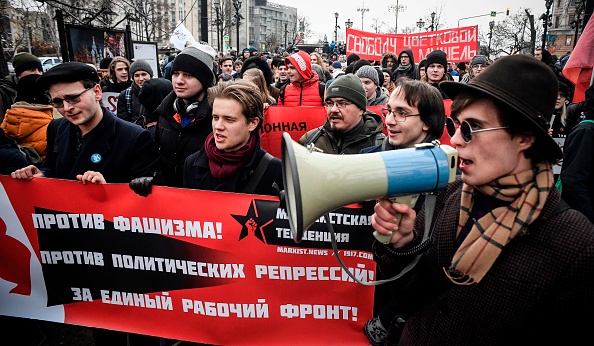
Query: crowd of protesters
(179, 128)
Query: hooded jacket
(405, 71)
(306, 93)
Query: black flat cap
(67, 72)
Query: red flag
(578, 68)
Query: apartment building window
(557, 21)
(568, 40)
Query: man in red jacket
(304, 88)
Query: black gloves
(142, 186)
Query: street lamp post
(217, 4)
(363, 9)
(546, 21)
(420, 24)
(491, 25)
(396, 8)
(238, 18)
(336, 27)
(432, 21)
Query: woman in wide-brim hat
(506, 255)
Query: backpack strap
(322, 88)
(314, 136)
(258, 173)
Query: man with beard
(349, 127)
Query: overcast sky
(322, 21)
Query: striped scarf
(527, 193)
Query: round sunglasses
(465, 129)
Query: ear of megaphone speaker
(317, 183)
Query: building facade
(567, 20)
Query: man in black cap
(507, 256)
(89, 143)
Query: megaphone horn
(317, 183)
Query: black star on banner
(260, 214)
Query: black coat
(11, 157)
(176, 143)
(197, 175)
(577, 173)
(540, 277)
(125, 151)
(134, 116)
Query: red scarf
(224, 164)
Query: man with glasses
(349, 127)
(89, 144)
(508, 258)
(414, 114)
(477, 65)
(405, 66)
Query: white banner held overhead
(181, 35)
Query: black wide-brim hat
(521, 82)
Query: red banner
(459, 44)
(202, 266)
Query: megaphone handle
(411, 200)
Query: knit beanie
(141, 65)
(25, 61)
(370, 72)
(28, 91)
(336, 64)
(478, 60)
(437, 57)
(462, 66)
(198, 63)
(352, 58)
(104, 64)
(302, 62)
(348, 87)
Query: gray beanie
(479, 60)
(141, 65)
(348, 87)
(370, 72)
(196, 62)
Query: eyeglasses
(466, 130)
(399, 116)
(476, 67)
(340, 104)
(72, 100)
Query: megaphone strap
(430, 201)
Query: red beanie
(302, 62)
